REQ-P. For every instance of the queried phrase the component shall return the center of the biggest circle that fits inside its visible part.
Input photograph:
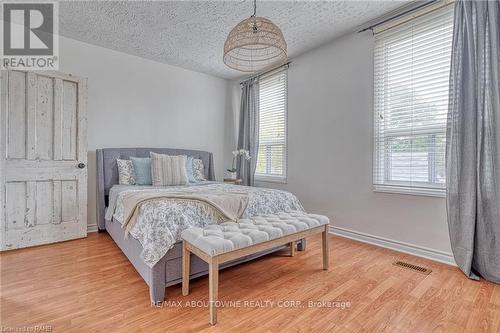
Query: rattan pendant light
(255, 44)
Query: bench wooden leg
(186, 256)
(301, 245)
(292, 249)
(213, 281)
(325, 248)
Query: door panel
(69, 121)
(69, 203)
(15, 209)
(43, 115)
(44, 198)
(44, 123)
(16, 114)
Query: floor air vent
(415, 268)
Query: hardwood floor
(88, 285)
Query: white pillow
(168, 170)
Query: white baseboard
(92, 228)
(419, 251)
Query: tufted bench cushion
(216, 239)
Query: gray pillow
(198, 170)
(126, 174)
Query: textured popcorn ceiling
(191, 34)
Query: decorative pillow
(126, 174)
(198, 170)
(142, 168)
(168, 170)
(189, 169)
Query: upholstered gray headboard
(107, 170)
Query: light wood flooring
(88, 285)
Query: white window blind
(271, 161)
(412, 65)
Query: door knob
(81, 165)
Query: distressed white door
(43, 158)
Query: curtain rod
(266, 72)
(398, 15)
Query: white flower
(235, 153)
(242, 151)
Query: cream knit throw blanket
(228, 205)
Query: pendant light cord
(254, 25)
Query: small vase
(232, 175)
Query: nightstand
(233, 181)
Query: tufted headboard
(107, 170)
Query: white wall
(330, 142)
(134, 102)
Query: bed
(161, 266)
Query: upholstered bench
(219, 243)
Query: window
(271, 159)
(412, 65)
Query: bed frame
(168, 271)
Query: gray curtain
(473, 140)
(248, 135)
